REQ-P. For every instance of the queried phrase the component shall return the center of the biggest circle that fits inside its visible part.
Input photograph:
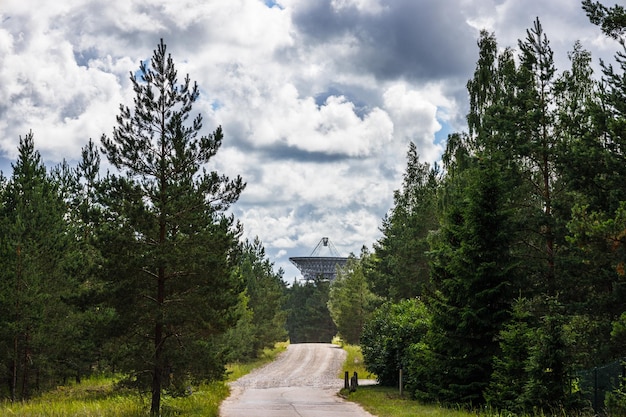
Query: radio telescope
(323, 261)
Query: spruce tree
(33, 242)
(473, 277)
(401, 266)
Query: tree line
(501, 273)
(139, 272)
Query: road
(302, 382)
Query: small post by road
(401, 384)
(354, 382)
(346, 380)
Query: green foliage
(34, 246)
(612, 20)
(350, 300)
(141, 271)
(238, 341)
(266, 291)
(261, 315)
(389, 335)
(354, 363)
(532, 372)
(170, 249)
(400, 268)
(546, 366)
(615, 401)
(543, 159)
(509, 367)
(308, 318)
(474, 275)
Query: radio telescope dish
(323, 261)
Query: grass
(98, 397)
(94, 397)
(354, 363)
(237, 370)
(386, 402)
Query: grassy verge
(237, 370)
(98, 397)
(386, 402)
(354, 363)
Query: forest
(499, 280)
(139, 272)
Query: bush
(388, 336)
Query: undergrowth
(354, 361)
(387, 402)
(100, 396)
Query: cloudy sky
(318, 99)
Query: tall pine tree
(171, 248)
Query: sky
(318, 99)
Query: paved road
(302, 382)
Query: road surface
(302, 382)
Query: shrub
(388, 336)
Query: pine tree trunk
(18, 289)
(26, 373)
(158, 328)
(158, 345)
(155, 406)
(14, 370)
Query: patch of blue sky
(216, 105)
(139, 73)
(5, 166)
(441, 136)
(273, 3)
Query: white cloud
(415, 119)
(318, 100)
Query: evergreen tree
(86, 327)
(474, 267)
(351, 302)
(473, 274)
(509, 377)
(264, 300)
(32, 282)
(400, 267)
(308, 318)
(612, 20)
(170, 248)
(536, 151)
(595, 168)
